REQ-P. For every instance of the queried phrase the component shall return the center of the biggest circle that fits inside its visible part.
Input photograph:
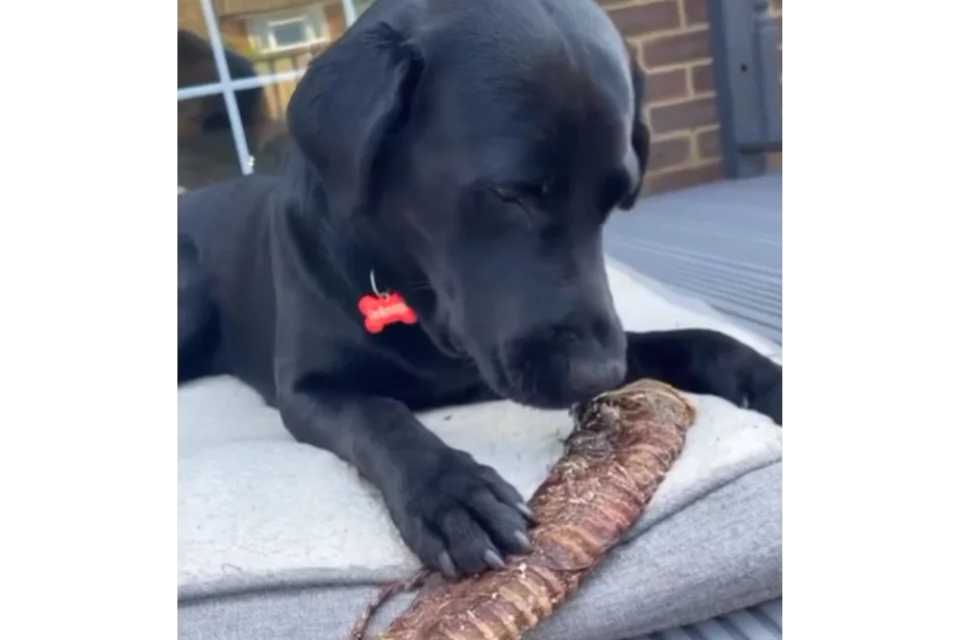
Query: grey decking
(720, 243)
(762, 622)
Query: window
(288, 34)
(285, 30)
(224, 123)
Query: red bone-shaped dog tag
(379, 311)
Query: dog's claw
(493, 559)
(527, 513)
(446, 566)
(523, 540)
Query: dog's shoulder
(209, 212)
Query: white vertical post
(229, 95)
(349, 11)
(255, 82)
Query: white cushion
(258, 510)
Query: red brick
(669, 153)
(695, 12)
(708, 144)
(774, 161)
(681, 178)
(666, 85)
(645, 18)
(699, 112)
(701, 77)
(677, 49)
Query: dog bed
(282, 540)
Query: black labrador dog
(452, 166)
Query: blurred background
(239, 60)
(265, 46)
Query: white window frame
(308, 31)
(228, 87)
(363, 3)
(315, 27)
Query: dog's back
(224, 207)
(221, 232)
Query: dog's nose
(590, 376)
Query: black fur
(468, 154)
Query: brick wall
(671, 39)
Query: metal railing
(744, 46)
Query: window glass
(267, 46)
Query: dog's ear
(352, 98)
(640, 136)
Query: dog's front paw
(460, 517)
(715, 363)
(732, 370)
(764, 392)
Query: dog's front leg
(708, 362)
(456, 515)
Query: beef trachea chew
(623, 443)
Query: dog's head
(482, 145)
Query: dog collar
(383, 308)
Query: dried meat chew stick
(623, 443)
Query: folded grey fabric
(278, 539)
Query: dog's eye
(507, 194)
(519, 192)
(517, 197)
